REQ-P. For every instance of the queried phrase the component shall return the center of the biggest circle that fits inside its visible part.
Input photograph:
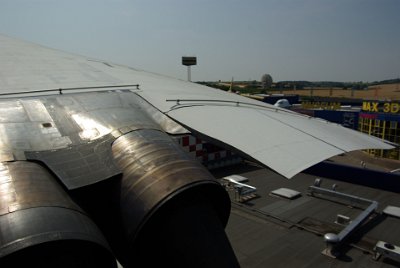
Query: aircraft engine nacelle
(164, 207)
(40, 226)
(172, 209)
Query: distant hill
(300, 84)
(378, 90)
(385, 82)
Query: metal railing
(333, 240)
(61, 90)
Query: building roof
(269, 231)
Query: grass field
(378, 92)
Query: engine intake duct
(40, 226)
(173, 211)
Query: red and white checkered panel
(192, 145)
(197, 148)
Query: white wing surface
(282, 140)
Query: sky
(314, 40)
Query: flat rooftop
(271, 231)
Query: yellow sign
(387, 107)
(320, 105)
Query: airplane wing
(284, 141)
(84, 156)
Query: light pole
(189, 61)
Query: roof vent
(392, 211)
(235, 178)
(286, 193)
(317, 182)
(387, 250)
(342, 220)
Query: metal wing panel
(28, 67)
(72, 133)
(337, 136)
(286, 142)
